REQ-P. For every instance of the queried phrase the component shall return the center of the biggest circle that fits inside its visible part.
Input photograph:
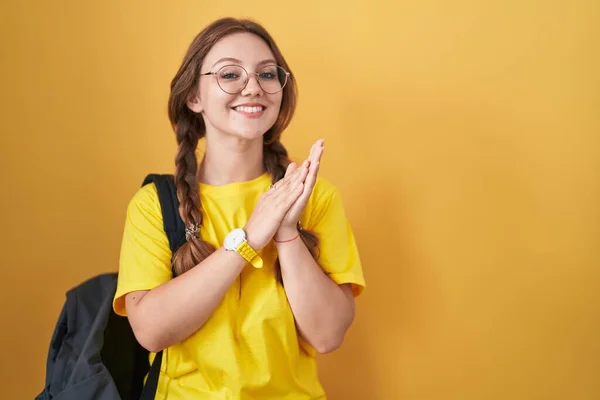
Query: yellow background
(464, 136)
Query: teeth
(249, 109)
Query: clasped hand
(278, 210)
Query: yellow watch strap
(250, 255)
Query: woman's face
(250, 113)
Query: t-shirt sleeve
(145, 259)
(338, 252)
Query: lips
(249, 109)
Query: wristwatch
(236, 241)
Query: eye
(268, 75)
(230, 73)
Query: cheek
(277, 99)
(276, 103)
(215, 101)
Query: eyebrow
(235, 60)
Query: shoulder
(324, 191)
(325, 200)
(144, 221)
(145, 201)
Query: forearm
(176, 309)
(322, 309)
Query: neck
(231, 161)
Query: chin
(249, 134)
(250, 131)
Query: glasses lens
(232, 78)
(272, 78)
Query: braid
(276, 161)
(193, 251)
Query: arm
(323, 309)
(173, 311)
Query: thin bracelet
(285, 241)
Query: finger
(290, 182)
(317, 154)
(300, 172)
(291, 168)
(317, 158)
(310, 154)
(311, 178)
(292, 189)
(314, 170)
(294, 194)
(286, 198)
(319, 148)
(303, 174)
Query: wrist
(250, 239)
(286, 233)
(237, 241)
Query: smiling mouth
(249, 110)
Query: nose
(252, 87)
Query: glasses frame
(211, 73)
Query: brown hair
(189, 128)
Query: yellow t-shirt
(249, 348)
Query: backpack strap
(175, 230)
(149, 391)
(169, 203)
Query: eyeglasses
(233, 79)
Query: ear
(194, 104)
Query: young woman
(270, 269)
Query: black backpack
(93, 353)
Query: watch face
(234, 239)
